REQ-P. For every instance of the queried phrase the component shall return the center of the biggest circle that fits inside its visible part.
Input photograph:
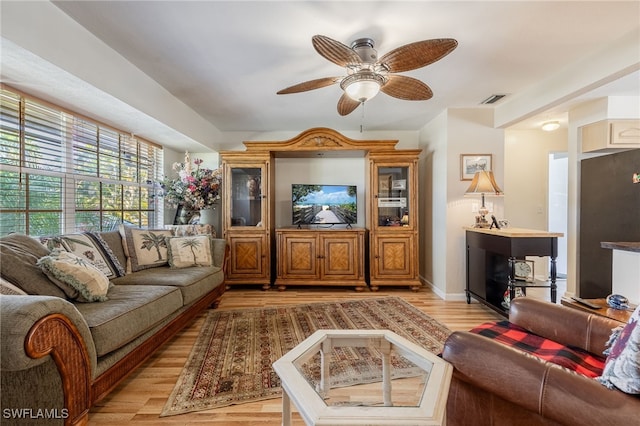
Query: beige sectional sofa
(59, 356)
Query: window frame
(58, 143)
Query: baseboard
(449, 297)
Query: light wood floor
(140, 399)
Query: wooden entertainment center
(383, 253)
(320, 257)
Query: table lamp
(483, 183)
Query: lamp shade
(362, 85)
(484, 183)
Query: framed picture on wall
(472, 163)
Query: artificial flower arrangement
(195, 189)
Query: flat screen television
(324, 204)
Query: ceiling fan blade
(346, 105)
(335, 51)
(310, 85)
(407, 88)
(417, 55)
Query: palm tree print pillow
(185, 252)
(145, 248)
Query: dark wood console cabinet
(491, 256)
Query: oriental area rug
(230, 363)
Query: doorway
(558, 205)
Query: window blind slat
(9, 128)
(108, 173)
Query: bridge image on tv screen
(324, 204)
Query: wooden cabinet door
(339, 258)
(300, 255)
(393, 257)
(249, 257)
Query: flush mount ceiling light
(550, 126)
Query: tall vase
(207, 216)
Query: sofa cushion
(144, 248)
(573, 358)
(80, 279)
(129, 312)
(8, 289)
(90, 246)
(185, 252)
(622, 368)
(19, 254)
(192, 282)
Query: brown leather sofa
(494, 384)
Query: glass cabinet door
(246, 199)
(393, 201)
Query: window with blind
(63, 173)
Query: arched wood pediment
(321, 139)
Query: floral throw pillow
(185, 252)
(76, 276)
(145, 248)
(622, 368)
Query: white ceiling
(227, 59)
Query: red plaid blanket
(573, 358)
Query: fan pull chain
(362, 118)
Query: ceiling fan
(367, 75)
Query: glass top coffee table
(363, 377)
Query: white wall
(433, 203)
(455, 132)
(526, 180)
(470, 131)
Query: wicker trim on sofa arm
(55, 335)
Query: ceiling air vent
(492, 99)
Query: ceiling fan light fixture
(362, 86)
(550, 126)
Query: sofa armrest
(220, 249)
(35, 327)
(562, 324)
(540, 387)
(18, 317)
